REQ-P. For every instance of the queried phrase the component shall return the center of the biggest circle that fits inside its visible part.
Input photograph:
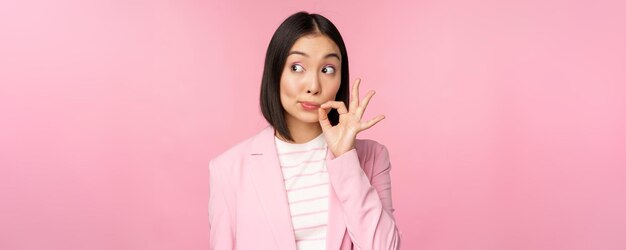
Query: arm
(221, 230)
(367, 205)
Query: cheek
(336, 83)
(287, 88)
(334, 88)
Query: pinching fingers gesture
(341, 137)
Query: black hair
(295, 26)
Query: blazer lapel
(268, 180)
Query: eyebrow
(304, 54)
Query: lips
(310, 105)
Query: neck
(302, 132)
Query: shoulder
(234, 153)
(369, 148)
(373, 156)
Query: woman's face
(311, 77)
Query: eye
(328, 70)
(297, 68)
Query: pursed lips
(310, 103)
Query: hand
(341, 138)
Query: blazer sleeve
(367, 204)
(221, 228)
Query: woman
(305, 181)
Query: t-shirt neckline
(316, 142)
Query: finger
(354, 103)
(364, 103)
(339, 105)
(372, 122)
(323, 119)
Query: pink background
(506, 120)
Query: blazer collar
(268, 181)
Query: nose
(313, 86)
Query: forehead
(316, 46)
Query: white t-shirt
(306, 181)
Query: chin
(303, 116)
(309, 118)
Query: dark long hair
(295, 26)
